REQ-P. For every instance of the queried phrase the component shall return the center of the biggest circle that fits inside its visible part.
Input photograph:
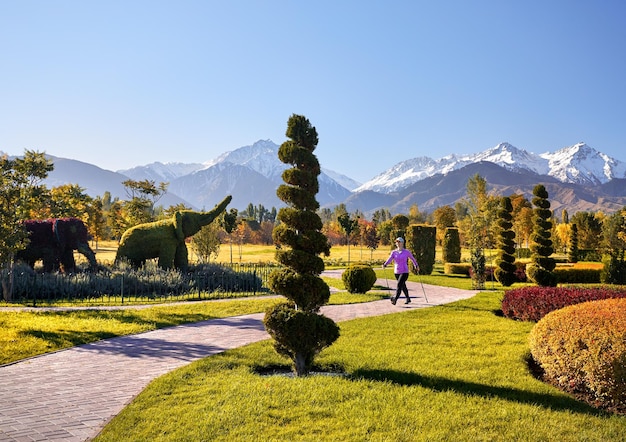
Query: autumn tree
(298, 330)
(349, 226)
(369, 237)
(443, 217)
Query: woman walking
(401, 256)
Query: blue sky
(126, 83)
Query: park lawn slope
(446, 373)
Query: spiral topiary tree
(572, 250)
(505, 262)
(540, 269)
(298, 330)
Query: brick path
(71, 394)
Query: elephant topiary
(165, 239)
(53, 241)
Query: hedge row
(582, 349)
(147, 282)
(564, 274)
(533, 303)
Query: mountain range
(578, 178)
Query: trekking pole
(386, 280)
(422, 284)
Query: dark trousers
(401, 288)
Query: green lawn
(29, 333)
(456, 372)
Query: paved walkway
(71, 394)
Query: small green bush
(570, 275)
(456, 268)
(358, 278)
(582, 348)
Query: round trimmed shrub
(358, 278)
(582, 348)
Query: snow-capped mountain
(250, 174)
(583, 165)
(160, 172)
(578, 164)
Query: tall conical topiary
(451, 245)
(540, 270)
(505, 263)
(572, 250)
(298, 330)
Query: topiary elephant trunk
(165, 239)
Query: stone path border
(70, 395)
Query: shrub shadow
(436, 383)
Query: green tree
(21, 192)
(143, 196)
(614, 247)
(380, 216)
(540, 269)
(96, 221)
(206, 242)
(229, 221)
(298, 330)
(589, 229)
(476, 227)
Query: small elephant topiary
(358, 278)
(165, 239)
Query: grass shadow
(441, 384)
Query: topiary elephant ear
(178, 225)
(69, 232)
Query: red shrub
(533, 303)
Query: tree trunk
(300, 365)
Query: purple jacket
(401, 260)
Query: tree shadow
(441, 384)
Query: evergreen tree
(614, 245)
(298, 330)
(540, 270)
(505, 262)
